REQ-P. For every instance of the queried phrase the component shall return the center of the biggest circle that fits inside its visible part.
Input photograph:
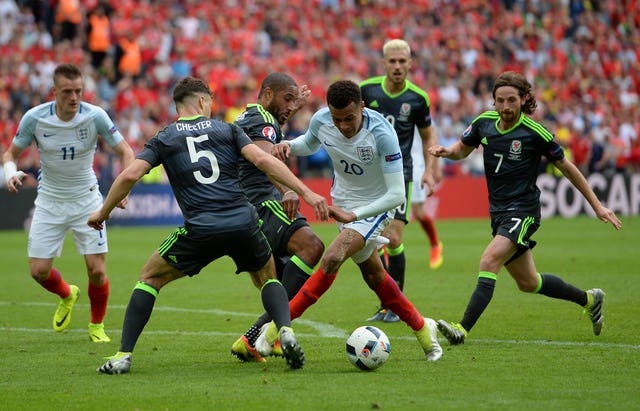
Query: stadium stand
(582, 56)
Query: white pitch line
(343, 336)
(324, 330)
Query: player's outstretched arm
(432, 174)
(279, 171)
(341, 215)
(120, 188)
(125, 153)
(574, 175)
(456, 151)
(392, 198)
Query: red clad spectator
(568, 54)
(633, 160)
(581, 149)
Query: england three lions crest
(82, 134)
(365, 153)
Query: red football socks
(98, 296)
(392, 298)
(312, 289)
(56, 284)
(430, 229)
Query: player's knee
(307, 245)
(304, 241)
(490, 262)
(97, 275)
(147, 276)
(527, 286)
(373, 279)
(40, 269)
(39, 275)
(417, 211)
(315, 249)
(395, 240)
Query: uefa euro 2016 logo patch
(269, 133)
(393, 157)
(466, 132)
(365, 153)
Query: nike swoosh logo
(101, 243)
(327, 144)
(48, 135)
(59, 323)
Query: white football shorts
(370, 228)
(418, 194)
(53, 219)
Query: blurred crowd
(583, 58)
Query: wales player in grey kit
(200, 156)
(296, 248)
(407, 108)
(513, 145)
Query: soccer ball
(368, 348)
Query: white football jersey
(66, 148)
(359, 162)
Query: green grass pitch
(527, 352)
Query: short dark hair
(67, 70)
(276, 82)
(189, 86)
(342, 93)
(519, 82)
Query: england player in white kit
(66, 133)
(367, 169)
(368, 185)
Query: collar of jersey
(190, 118)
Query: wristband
(9, 169)
(287, 192)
